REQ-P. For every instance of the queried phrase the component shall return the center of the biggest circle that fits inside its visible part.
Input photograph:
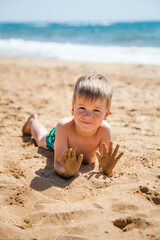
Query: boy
(76, 139)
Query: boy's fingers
(98, 156)
(116, 150)
(74, 152)
(69, 152)
(104, 149)
(64, 155)
(119, 156)
(110, 148)
(61, 161)
(80, 158)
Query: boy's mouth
(85, 122)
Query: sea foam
(79, 52)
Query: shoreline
(48, 62)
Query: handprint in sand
(108, 160)
(70, 162)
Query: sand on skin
(35, 202)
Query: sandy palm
(70, 162)
(109, 159)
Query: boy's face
(89, 114)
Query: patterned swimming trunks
(50, 139)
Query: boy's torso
(85, 145)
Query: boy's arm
(60, 146)
(66, 163)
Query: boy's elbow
(59, 170)
(55, 168)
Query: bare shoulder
(65, 123)
(105, 129)
(105, 126)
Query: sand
(38, 204)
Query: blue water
(127, 39)
(140, 34)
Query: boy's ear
(106, 115)
(72, 111)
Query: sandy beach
(35, 202)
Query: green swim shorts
(50, 139)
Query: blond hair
(93, 86)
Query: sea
(107, 42)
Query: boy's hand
(108, 161)
(70, 162)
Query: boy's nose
(88, 115)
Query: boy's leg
(37, 130)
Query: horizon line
(79, 21)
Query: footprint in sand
(126, 224)
(151, 195)
(62, 218)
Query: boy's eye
(96, 110)
(82, 108)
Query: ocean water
(110, 42)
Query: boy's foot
(26, 130)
